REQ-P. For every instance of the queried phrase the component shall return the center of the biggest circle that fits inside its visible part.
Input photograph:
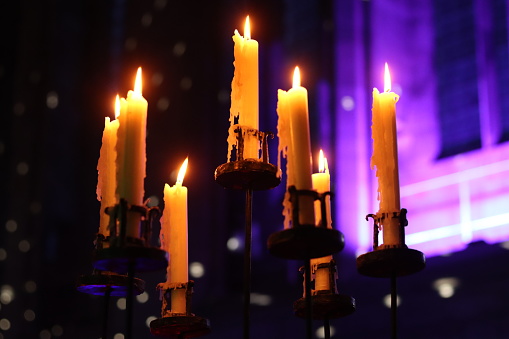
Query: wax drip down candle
(385, 159)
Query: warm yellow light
(296, 77)
(387, 79)
(247, 29)
(323, 166)
(137, 83)
(182, 172)
(117, 106)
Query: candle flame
(247, 29)
(182, 172)
(296, 77)
(323, 165)
(387, 79)
(117, 106)
(137, 82)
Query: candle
(244, 95)
(174, 239)
(294, 136)
(385, 158)
(321, 184)
(106, 168)
(131, 157)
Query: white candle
(174, 239)
(294, 118)
(385, 158)
(106, 168)
(244, 95)
(131, 157)
(321, 184)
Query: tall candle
(321, 184)
(244, 95)
(106, 168)
(385, 158)
(174, 239)
(293, 112)
(131, 157)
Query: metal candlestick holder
(178, 325)
(123, 251)
(326, 304)
(390, 261)
(248, 175)
(306, 241)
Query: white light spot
(505, 245)
(131, 44)
(24, 246)
(153, 201)
(233, 244)
(347, 103)
(57, 330)
(186, 83)
(11, 226)
(22, 168)
(19, 109)
(118, 336)
(35, 207)
(320, 331)
(6, 294)
(260, 299)
(29, 315)
(196, 270)
(30, 286)
(3, 254)
(163, 104)
(446, 287)
(387, 301)
(5, 324)
(223, 96)
(157, 79)
(149, 320)
(142, 298)
(45, 334)
(160, 4)
(179, 49)
(121, 303)
(146, 20)
(52, 100)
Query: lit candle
(294, 136)
(106, 168)
(321, 184)
(385, 158)
(244, 95)
(174, 239)
(131, 157)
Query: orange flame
(117, 106)
(182, 172)
(137, 82)
(296, 77)
(323, 166)
(387, 79)
(247, 29)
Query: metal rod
(309, 310)
(247, 260)
(326, 328)
(394, 307)
(107, 295)
(129, 299)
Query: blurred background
(63, 62)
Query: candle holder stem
(307, 296)
(247, 260)
(326, 328)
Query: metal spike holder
(305, 241)
(178, 325)
(248, 175)
(326, 304)
(391, 261)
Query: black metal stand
(248, 175)
(391, 261)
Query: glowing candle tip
(247, 29)
(182, 172)
(323, 166)
(387, 79)
(296, 77)
(137, 83)
(117, 106)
